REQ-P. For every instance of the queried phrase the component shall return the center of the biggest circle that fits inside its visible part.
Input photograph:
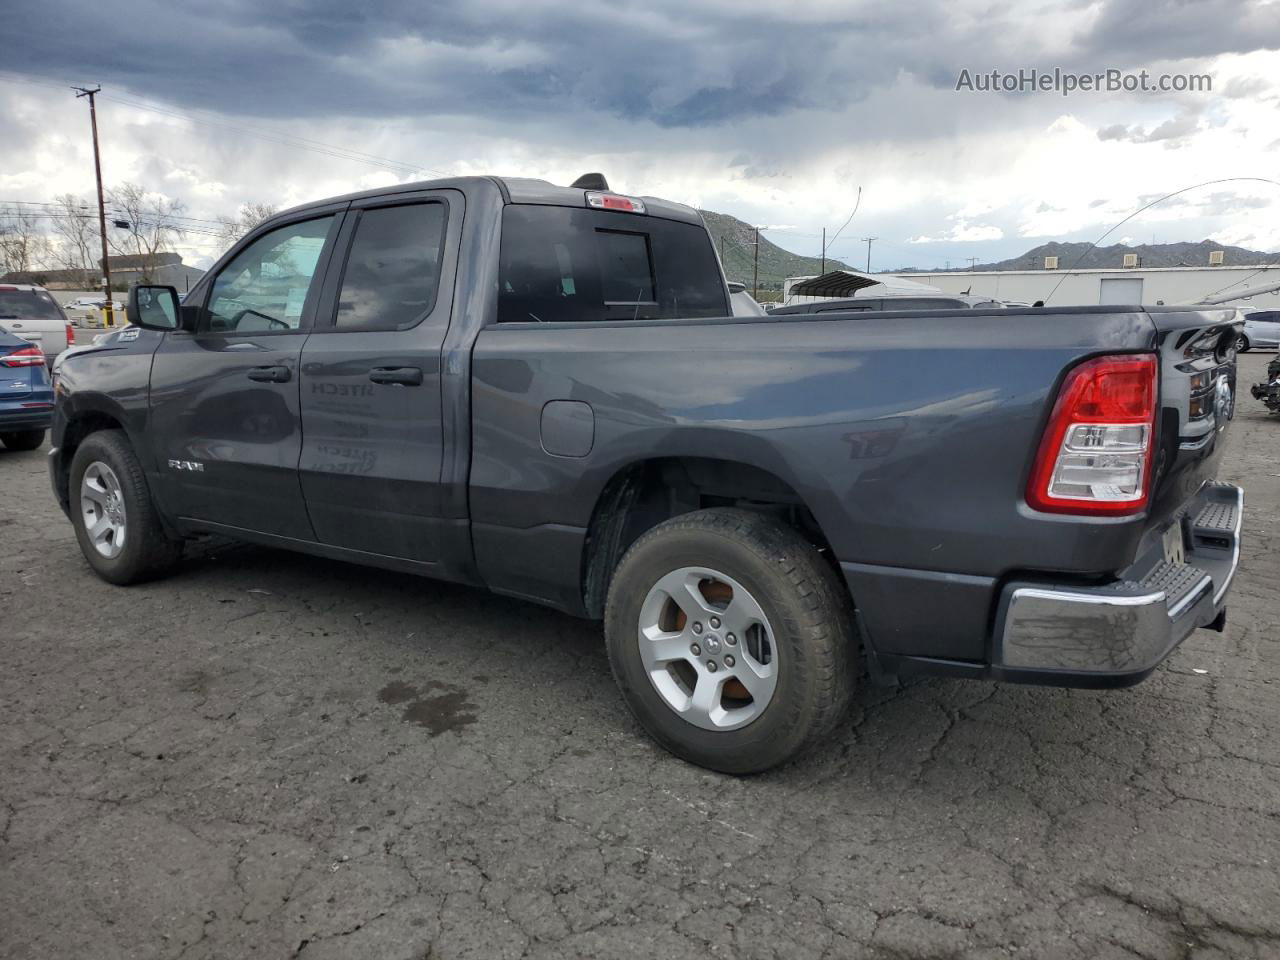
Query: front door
(373, 439)
(224, 398)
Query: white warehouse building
(1149, 285)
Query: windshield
(28, 305)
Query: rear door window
(393, 270)
(582, 265)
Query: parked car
(26, 395)
(82, 303)
(1261, 329)
(88, 312)
(540, 390)
(905, 302)
(31, 313)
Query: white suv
(31, 313)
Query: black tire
(23, 439)
(806, 606)
(1243, 344)
(148, 551)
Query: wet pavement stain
(440, 707)
(397, 691)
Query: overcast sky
(772, 112)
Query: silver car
(1261, 329)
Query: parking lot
(271, 755)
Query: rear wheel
(1242, 344)
(115, 521)
(23, 439)
(731, 639)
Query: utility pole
(108, 315)
(755, 270)
(824, 252)
(868, 241)
(972, 261)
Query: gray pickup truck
(541, 391)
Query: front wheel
(1242, 344)
(731, 639)
(115, 521)
(23, 439)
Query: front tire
(1243, 344)
(731, 639)
(116, 523)
(23, 439)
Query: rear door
(373, 438)
(225, 422)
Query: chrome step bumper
(1116, 634)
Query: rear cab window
(581, 265)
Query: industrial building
(1126, 285)
(1152, 285)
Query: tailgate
(1197, 403)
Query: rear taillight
(26, 357)
(1095, 457)
(71, 335)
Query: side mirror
(154, 307)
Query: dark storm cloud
(678, 64)
(1148, 30)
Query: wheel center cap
(712, 643)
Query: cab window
(581, 265)
(268, 286)
(392, 273)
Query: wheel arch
(82, 418)
(643, 493)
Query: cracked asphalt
(269, 755)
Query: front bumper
(1116, 634)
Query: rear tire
(23, 439)
(114, 517)
(796, 657)
(1243, 344)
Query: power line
(1148, 206)
(302, 143)
(286, 139)
(856, 204)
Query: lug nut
(729, 661)
(730, 639)
(695, 649)
(715, 623)
(711, 666)
(697, 627)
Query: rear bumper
(1116, 634)
(14, 420)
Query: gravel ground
(270, 755)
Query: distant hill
(1149, 255)
(775, 263)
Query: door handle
(406, 376)
(276, 374)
